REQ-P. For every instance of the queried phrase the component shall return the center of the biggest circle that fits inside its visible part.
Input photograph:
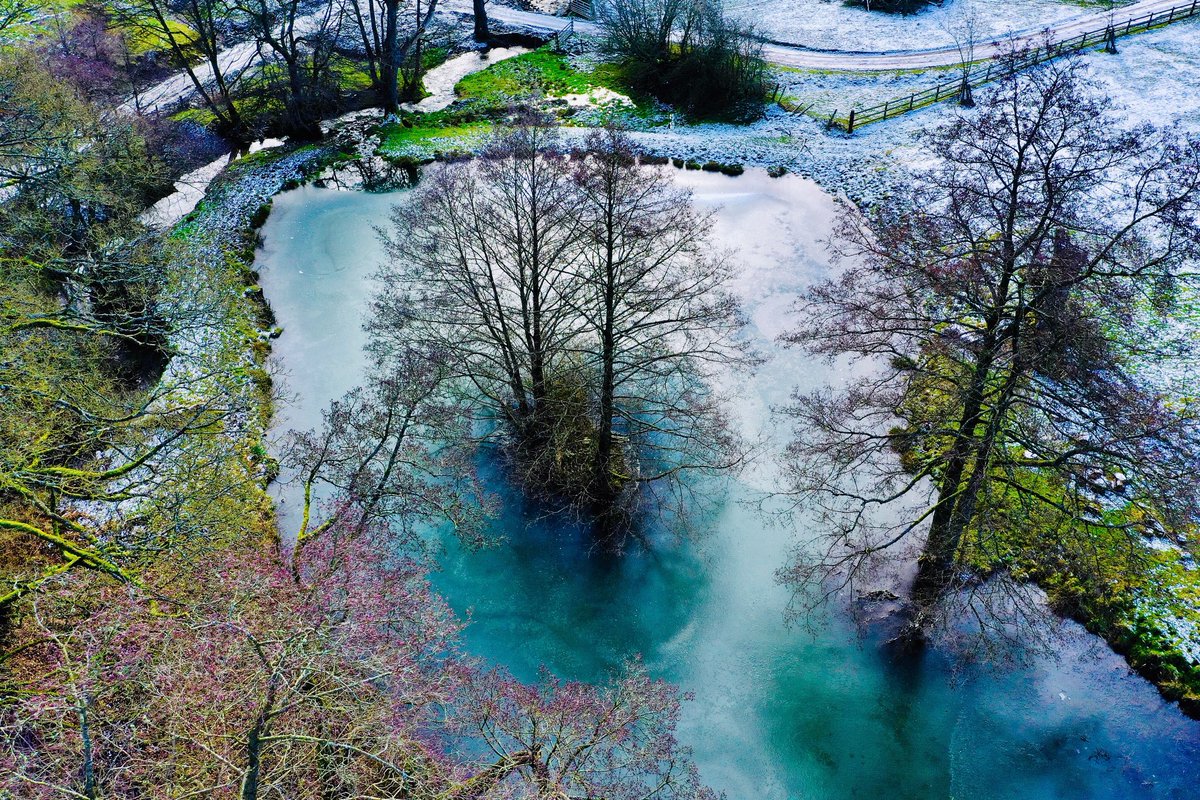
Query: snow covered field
(832, 25)
(1156, 76)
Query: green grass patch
(428, 135)
(200, 116)
(146, 37)
(351, 76)
(434, 57)
(548, 74)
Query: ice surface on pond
(778, 713)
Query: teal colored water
(778, 712)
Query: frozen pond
(778, 713)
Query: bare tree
(379, 25)
(658, 323)
(963, 27)
(397, 451)
(1015, 306)
(574, 740)
(579, 301)
(688, 52)
(211, 21)
(345, 682)
(479, 267)
(301, 46)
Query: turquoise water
(778, 712)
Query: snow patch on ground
(598, 96)
(191, 188)
(1156, 76)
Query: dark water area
(778, 712)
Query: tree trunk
(253, 761)
(481, 21)
(390, 67)
(935, 567)
(604, 447)
(965, 96)
(250, 779)
(89, 759)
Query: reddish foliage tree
(339, 678)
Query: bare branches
(396, 453)
(1012, 305)
(338, 674)
(578, 307)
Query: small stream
(440, 80)
(191, 188)
(778, 713)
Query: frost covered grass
(820, 93)
(1156, 76)
(424, 136)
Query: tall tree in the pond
(658, 321)
(1024, 412)
(480, 268)
(579, 299)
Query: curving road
(238, 57)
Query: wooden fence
(561, 37)
(978, 76)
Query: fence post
(937, 90)
(885, 108)
(850, 126)
(1110, 41)
(912, 98)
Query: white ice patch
(598, 96)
